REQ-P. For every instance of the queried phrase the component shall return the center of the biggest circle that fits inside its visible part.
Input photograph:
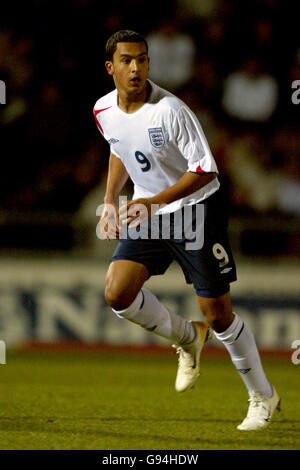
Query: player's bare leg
(238, 339)
(124, 280)
(218, 311)
(125, 294)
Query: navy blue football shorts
(194, 236)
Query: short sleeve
(95, 113)
(191, 141)
(111, 142)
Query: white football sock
(240, 343)
(147, 311)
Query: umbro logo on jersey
(113, 141)
(157, 137)
(226, 270)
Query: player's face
(129, 67)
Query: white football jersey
(157, 144)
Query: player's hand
(109, 222)
(136, 212)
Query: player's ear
(109, 67)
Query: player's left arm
(186, 185)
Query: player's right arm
(116, 179)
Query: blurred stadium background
(233, 63)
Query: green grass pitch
(127, 401)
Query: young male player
(157, 141)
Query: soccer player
(157, 141)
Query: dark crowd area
(233, 62)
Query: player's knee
(117, 299)
(218, 316)
(117, 294)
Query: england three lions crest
(157, 137)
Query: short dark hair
(125, 35)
